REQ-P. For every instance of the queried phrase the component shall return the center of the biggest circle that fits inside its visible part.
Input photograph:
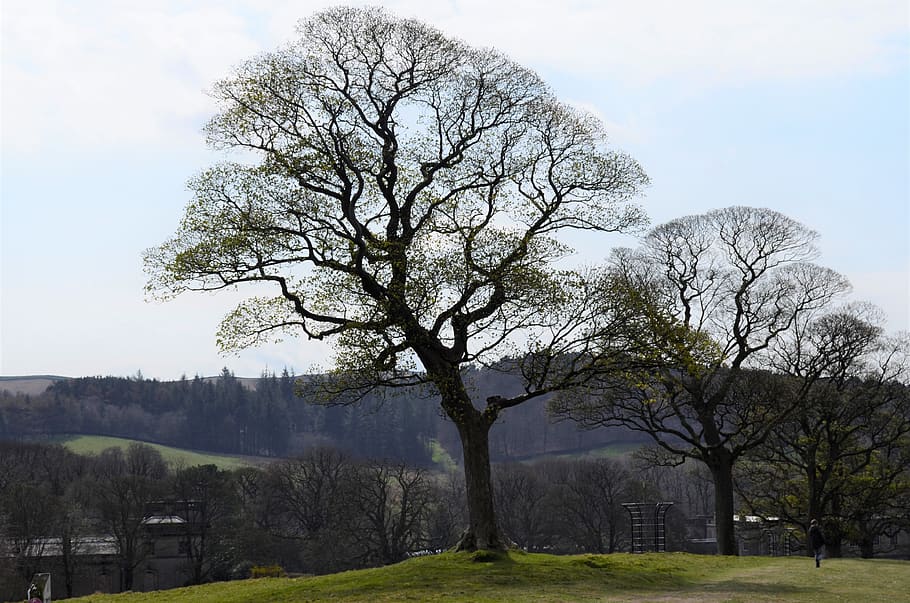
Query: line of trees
(264, 417)
(321, 512)
(261, 417)
(840, 455)
(843, 455)
(409, 198)
(738, 350)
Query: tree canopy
(713, 293)
(405, 195)
(842, 456)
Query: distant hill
(29, 385)
(32, 385)
(264, 418)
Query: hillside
(522, 577)
(30, 385)
(176, 457)
(265, 418)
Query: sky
(801, 106)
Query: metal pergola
(649, 529)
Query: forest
(264, 417)
(344, 487)
(323, 511)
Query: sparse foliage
(407, 202)
(712, 292)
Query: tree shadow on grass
(758, 588)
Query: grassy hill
(526, 578)
(94, 444)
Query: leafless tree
(124, 484)
(314, 496)
(713, 291)
(204, 497)
(391, 505)
(588, 503)
(521, 493)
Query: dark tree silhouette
(204, 496)
(841, 457)
(124, 485)
(712, 292)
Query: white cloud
(116, 73)
(705, 40)
(107, 73)
(889, 290)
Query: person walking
(816, 541)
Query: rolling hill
(528, 578)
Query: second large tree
(712, 293)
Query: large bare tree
(404, 197)
(712, 292)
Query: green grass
(533, 578)
(613, 451)
(93, 444)
(441, 457)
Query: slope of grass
(613, 451)
(521, 577)
(440, 456)
(93, 444)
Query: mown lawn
(521, 577)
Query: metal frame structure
(649, 526)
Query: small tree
(407, 204)
(314, 498)
(390, 508)
(588, 503)
(521, 493)
(123, 486)
(204, 497)
(712, 291)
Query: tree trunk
(474, 431)
(867, 547)
(834, 536)
(126, 577)
(834, 540)
(482, 531)
(67, 557)
(721, 465)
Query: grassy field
(92, 444)
(613, 451)
(530, 578)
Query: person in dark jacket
(816, 541)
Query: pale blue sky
(803, 107)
